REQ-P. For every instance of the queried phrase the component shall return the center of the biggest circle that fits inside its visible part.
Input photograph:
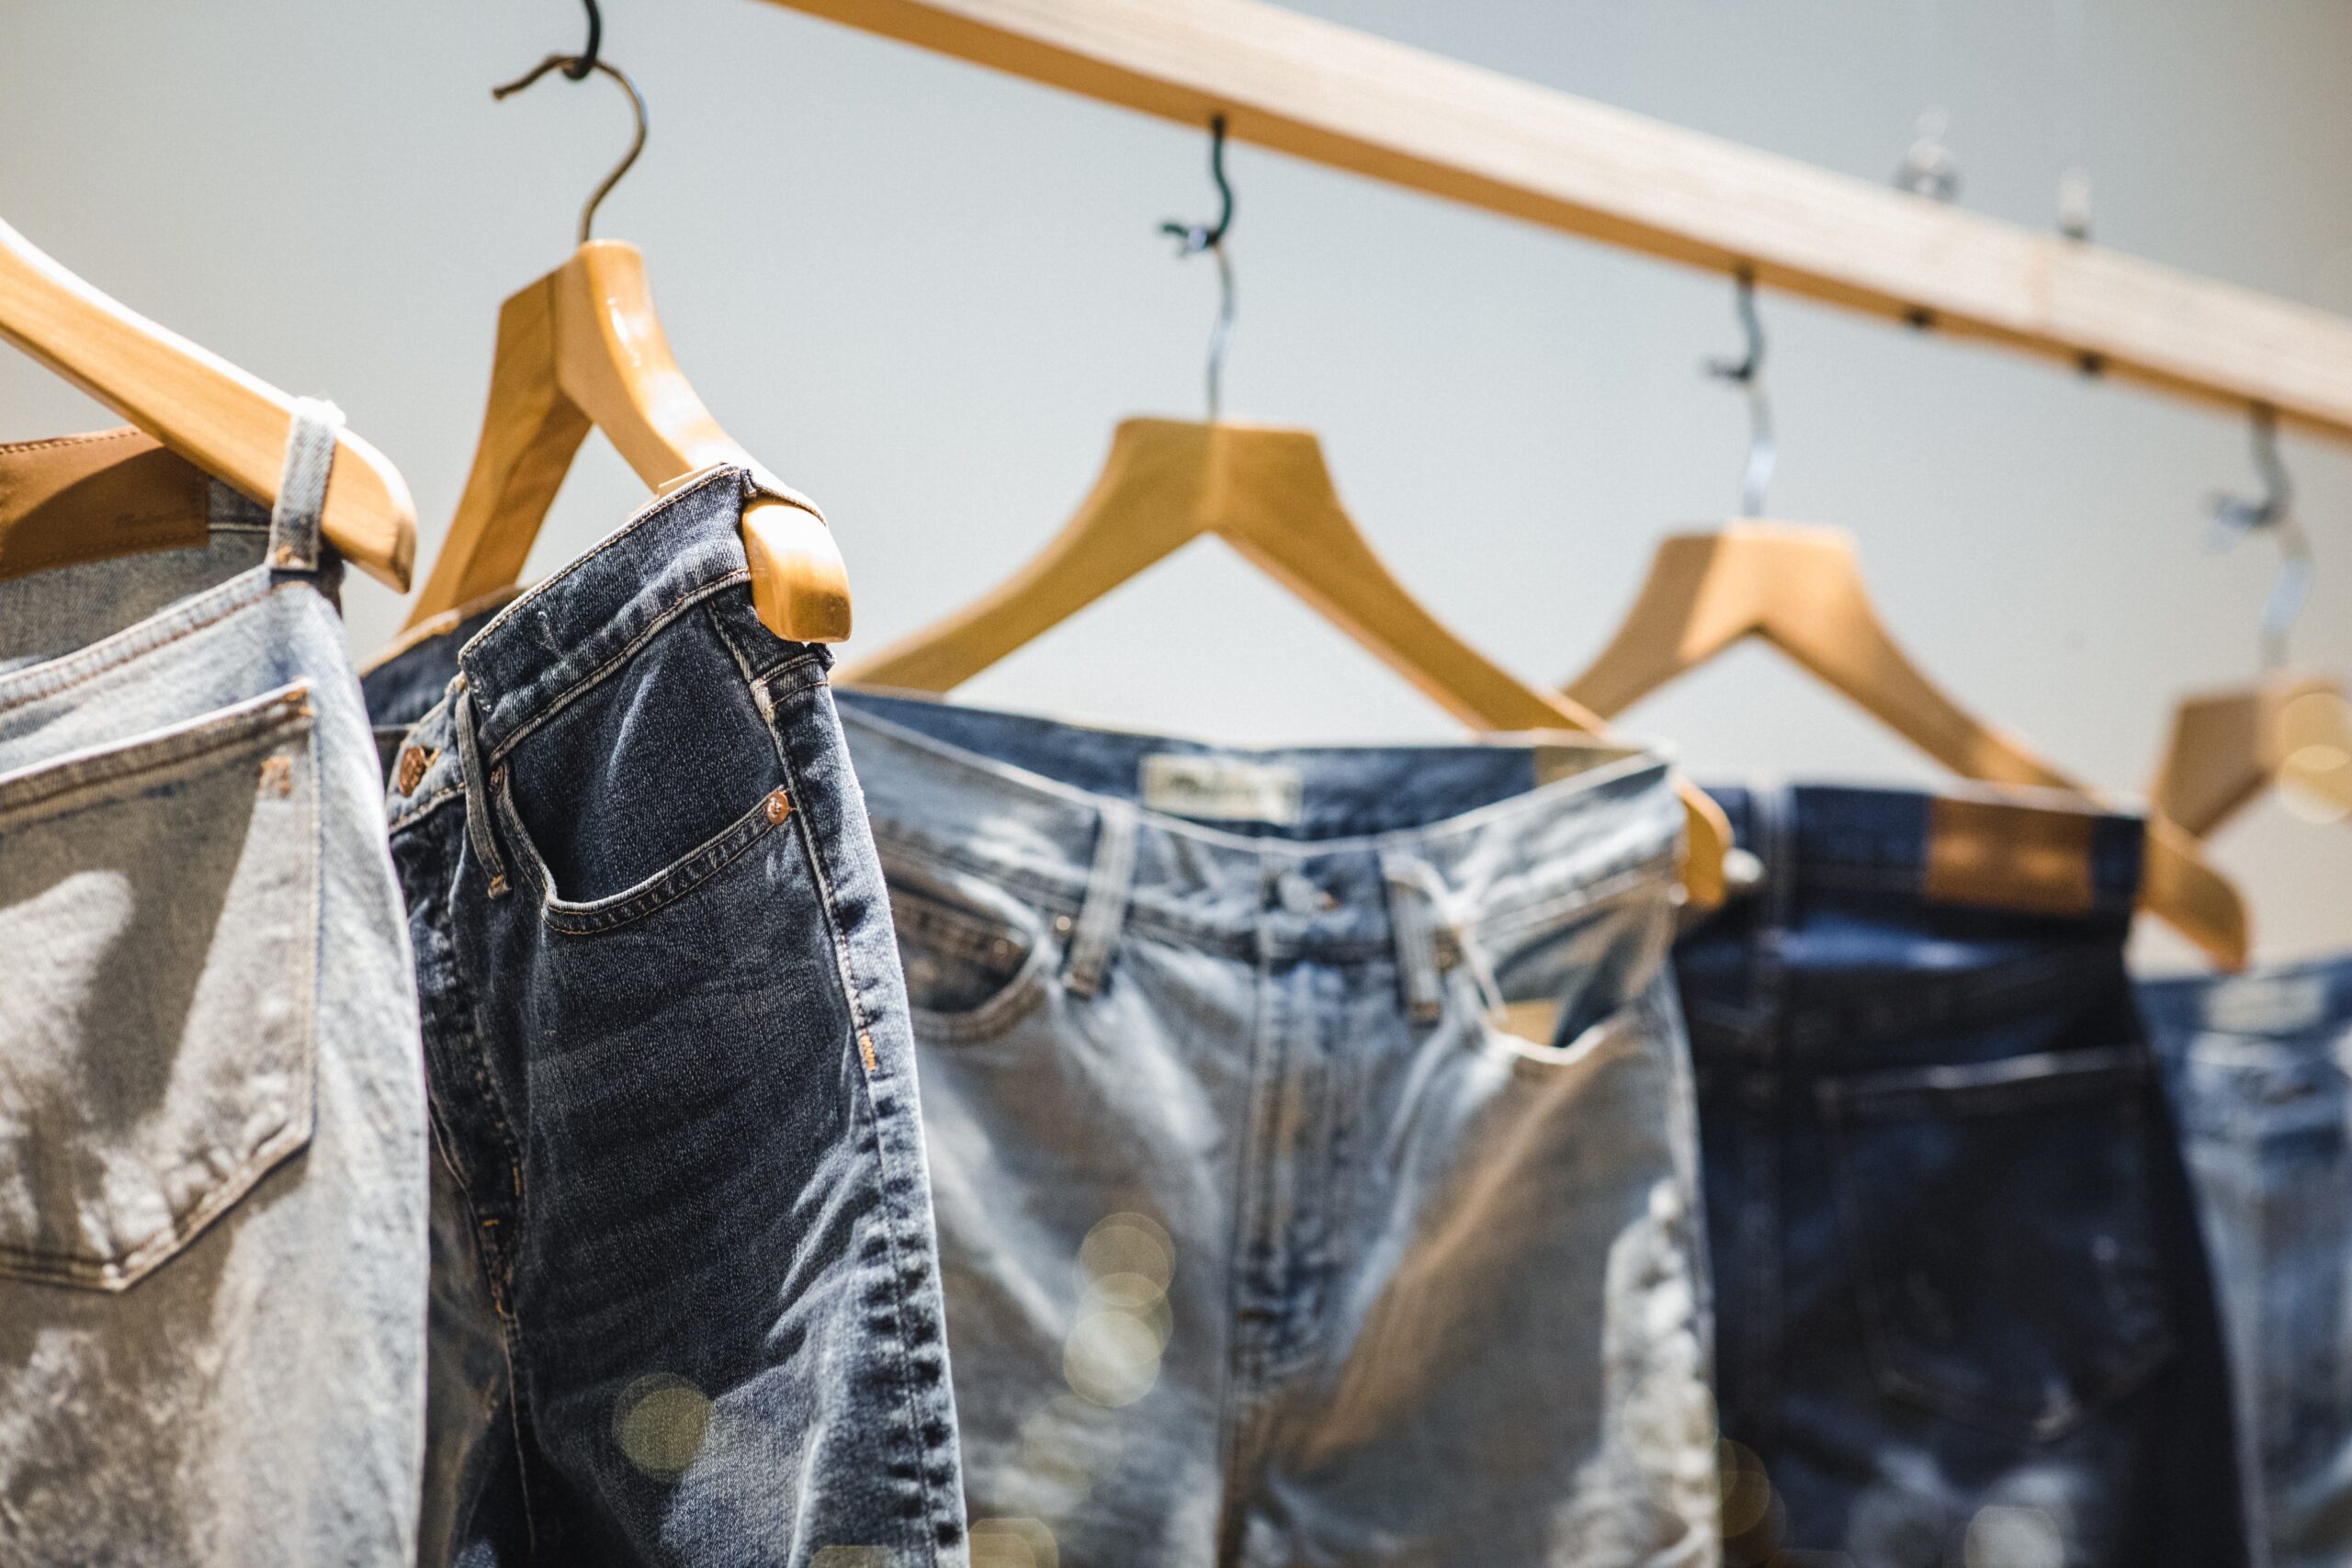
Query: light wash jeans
(1312, 1142)
(2260, 1069)
(212, 1131)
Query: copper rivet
(413, 766)
(779, 806)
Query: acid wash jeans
(1313, 1144)
(2257, 1064)
(1965, 1317)
(685, 1288)
(212, 1122)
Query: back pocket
(159, 906)
(2004, 1222)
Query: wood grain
(1352, 101)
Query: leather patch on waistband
(2002, 856)
(85, 497)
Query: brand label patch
(1222, 789)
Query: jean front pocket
(643, 785)
(159, 910)
(976, 959)
(2008, 1232)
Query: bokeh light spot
(660, 1422)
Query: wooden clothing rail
(1353, 101)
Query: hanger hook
(586, 60)
(2234, 517)
(1193, 238)
(1748, 373)
(577, 67)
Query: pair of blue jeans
(686, 1287)
(2258, 1064)
(213, 1118)
(1964, 1314)
(1312, 1137)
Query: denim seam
(650, 510)
(758, 676)
(547, 707)
(672, 882)
(1520, 921)
(53, 678)
(497, 1263)
(499, 1304)
(420, 809)
(901, 1217)
(47, 789)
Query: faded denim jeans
(1965, 1314)
(686, 1286)
(1313, 1144)
(2257, 1065)
(212, 1123)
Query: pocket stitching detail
(596, 916)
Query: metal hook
(1748, 373)
(1193, 238)
(577, 67)
(586, 60)
(2234, 517)
(1928, 168)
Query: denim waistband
(560, 635)
(1360, 842)
(1889, 915)
(1842, 837)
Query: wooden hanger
(1801, 589)
(580, 347)
(583, 346)
(195, 404)
(2226, 747)
(1269, 494)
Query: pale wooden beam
(1353, 101)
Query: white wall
(924, 293)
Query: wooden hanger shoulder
(1800, 588)
(1267, 492)
(2225, 748)
(583, 346)
(227, 422)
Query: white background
(924, 293)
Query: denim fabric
(1965, 1315)
(212, 1120)
(403, 682)
(2257, 1066)
(1314, 1175)
(686, 1299)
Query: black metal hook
(1194, 238)
(577, 67)
(1199, 237)
(586, 60)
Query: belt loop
(477, 789)
(302, 485)
(1105, 908)
(1414, 922)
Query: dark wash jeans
(2260, 1067)
(1962, 1311)
(686, 1299)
